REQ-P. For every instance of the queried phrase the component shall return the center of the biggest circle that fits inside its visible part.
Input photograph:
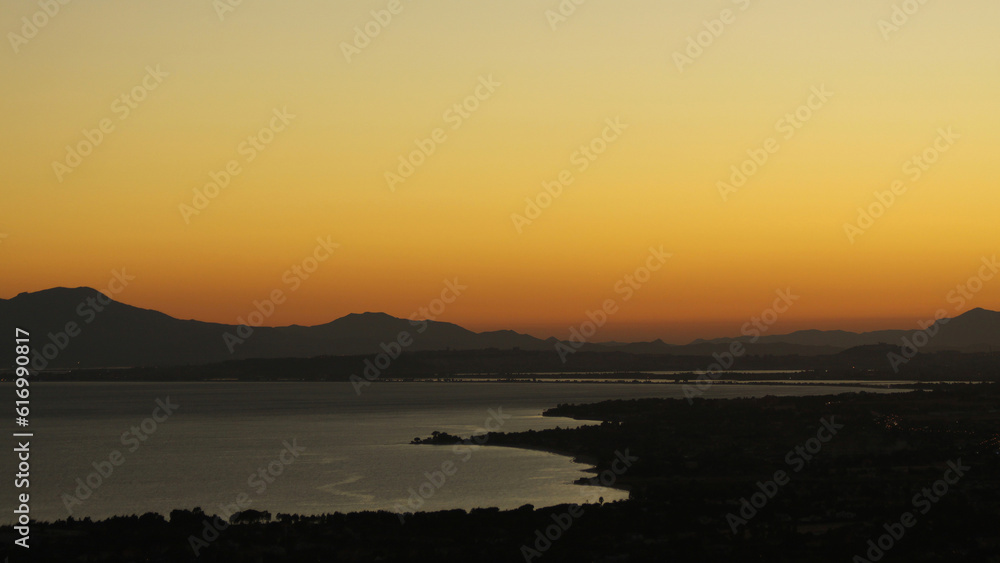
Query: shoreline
(816, 383)
(879, 384)
(582, 459)
(588, 461)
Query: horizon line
(541, 338)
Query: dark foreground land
(863, 363)
(908, 477)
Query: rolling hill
(79, 327)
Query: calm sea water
(352, 452)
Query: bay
(308, 448)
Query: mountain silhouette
(80, 327)
(977, 330)
(75, 328)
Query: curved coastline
(592, 462)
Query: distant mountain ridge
(79, 327)
(977, 329)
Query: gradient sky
(656, 185)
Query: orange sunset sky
(184, 90)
